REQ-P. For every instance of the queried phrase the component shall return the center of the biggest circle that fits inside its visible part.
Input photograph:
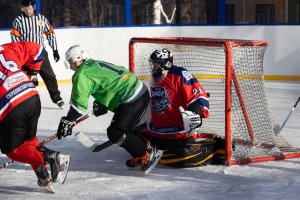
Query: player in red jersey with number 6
(20, 108)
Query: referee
(32, 26)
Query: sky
(104, 175)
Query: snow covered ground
(103, 175)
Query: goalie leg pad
(192, 155)
(186, 153)
(219, 157)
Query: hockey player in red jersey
(171, 88)
(20, 108)
(178, 104)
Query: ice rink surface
(103, 175)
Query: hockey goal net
(232, 72)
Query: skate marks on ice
(105, 176)
(26, 184)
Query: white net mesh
(207, 62)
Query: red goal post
(231, 71)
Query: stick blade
(102, 146)
(85, 141)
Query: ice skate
(133, 163)
(146, 162)
(59, 165)
(153, 155)
(44, 180)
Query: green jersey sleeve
(109, 84)
(81, 90)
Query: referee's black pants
(49, 79)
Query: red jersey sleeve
(35, 53)
(25, 53)
(193, 92)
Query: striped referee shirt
(33, 29)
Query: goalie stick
(52, 137)
(277, 128)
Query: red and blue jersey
(15, 85)
(178, 88)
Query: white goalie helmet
(75, 53)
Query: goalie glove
(190, 119)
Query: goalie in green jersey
(116, 89)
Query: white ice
(103, 175)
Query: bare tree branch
(158, 10)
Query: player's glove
(65, 128)
(190, 119)
(32, 73)
(56, 55)
(99, 109)
(35, 80)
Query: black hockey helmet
(162, 58)
(27, 3)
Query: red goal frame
(231, 80)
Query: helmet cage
(162, 58)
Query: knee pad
(114, 134)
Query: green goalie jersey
(109, 84)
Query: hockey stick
(52, 137)
(102, 146)
(94, 147)
(91, 145)
(277, 128)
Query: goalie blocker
(191, 153)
